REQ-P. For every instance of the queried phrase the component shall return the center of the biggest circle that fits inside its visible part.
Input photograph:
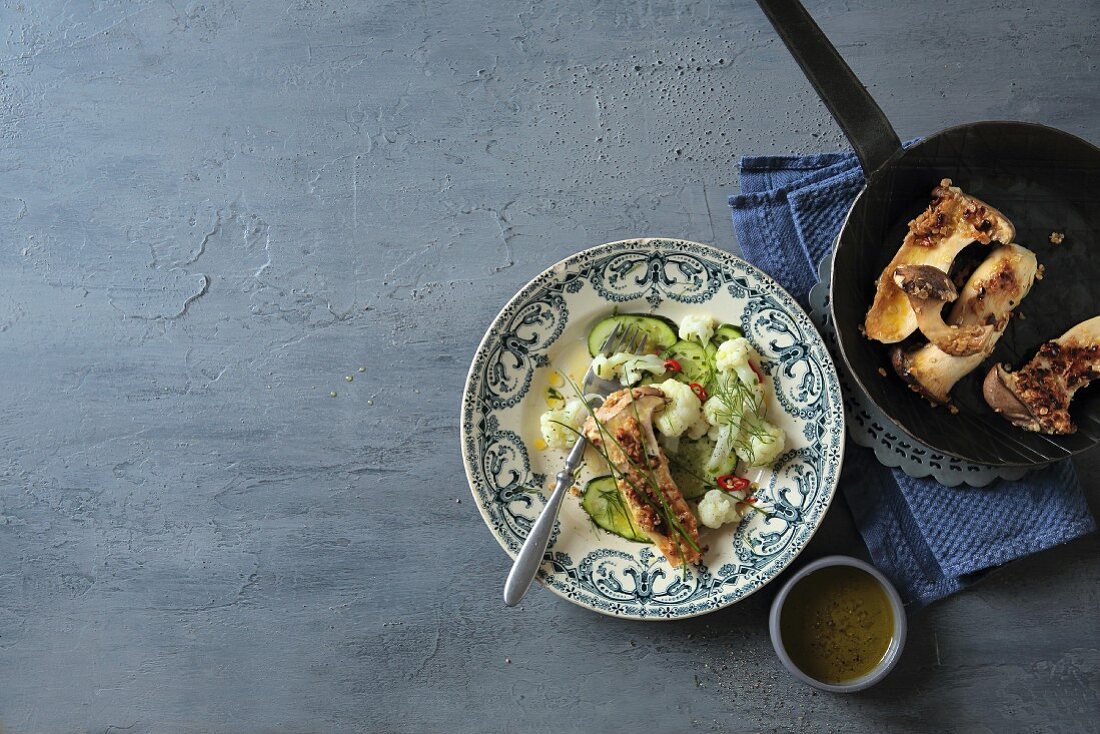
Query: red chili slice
(732, 483)
(759, 374)
(671, 365)
(699, 391)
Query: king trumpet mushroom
(950, 223)
(1037, 396)
(996, 287)
(929, 289)
(623, 427)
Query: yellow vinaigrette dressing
(837, 624)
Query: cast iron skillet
(1043, 180)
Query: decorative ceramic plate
(542, 331)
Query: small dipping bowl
(893, 649)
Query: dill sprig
(615, 503)
(743, 409)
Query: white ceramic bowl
(889, 659)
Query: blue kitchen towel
(929, 539)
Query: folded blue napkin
(930, 540)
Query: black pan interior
(1043, 180)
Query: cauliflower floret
(723, 450)
(764, 445)
(723, 459)
(681, 411)
(718, 508)
(604, 368)
(633, 369)
(733, 357)
(699, 428)
(726, 427)
(556, 435)
(732, 353)
(628, 367)
(715, 411)
(698, 326)
(737, 411)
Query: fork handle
(534, 548)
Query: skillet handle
(848, 100)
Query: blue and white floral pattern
(508, 476)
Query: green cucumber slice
(725, 333)
(695, 365)
(687, 467)
(605, 505)
(712, 350)
(660, 332)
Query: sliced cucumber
(604, 503)
(725, 333)
(695, 365)
(712, 350)
(660, 332)
(688, 466)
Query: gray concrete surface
(214, 210)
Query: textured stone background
(214, 210)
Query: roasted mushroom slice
(625, 431)
(995, 288)
(929, 289)
(1037, 396)
(951, 222)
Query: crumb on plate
(1057, 237)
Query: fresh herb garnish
(742, 409)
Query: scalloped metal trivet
(869, 427)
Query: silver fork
(534, 548)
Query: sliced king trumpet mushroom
(950, 223)
(996, 287)
(929, 289)
(1037, 396)
(642, 470)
